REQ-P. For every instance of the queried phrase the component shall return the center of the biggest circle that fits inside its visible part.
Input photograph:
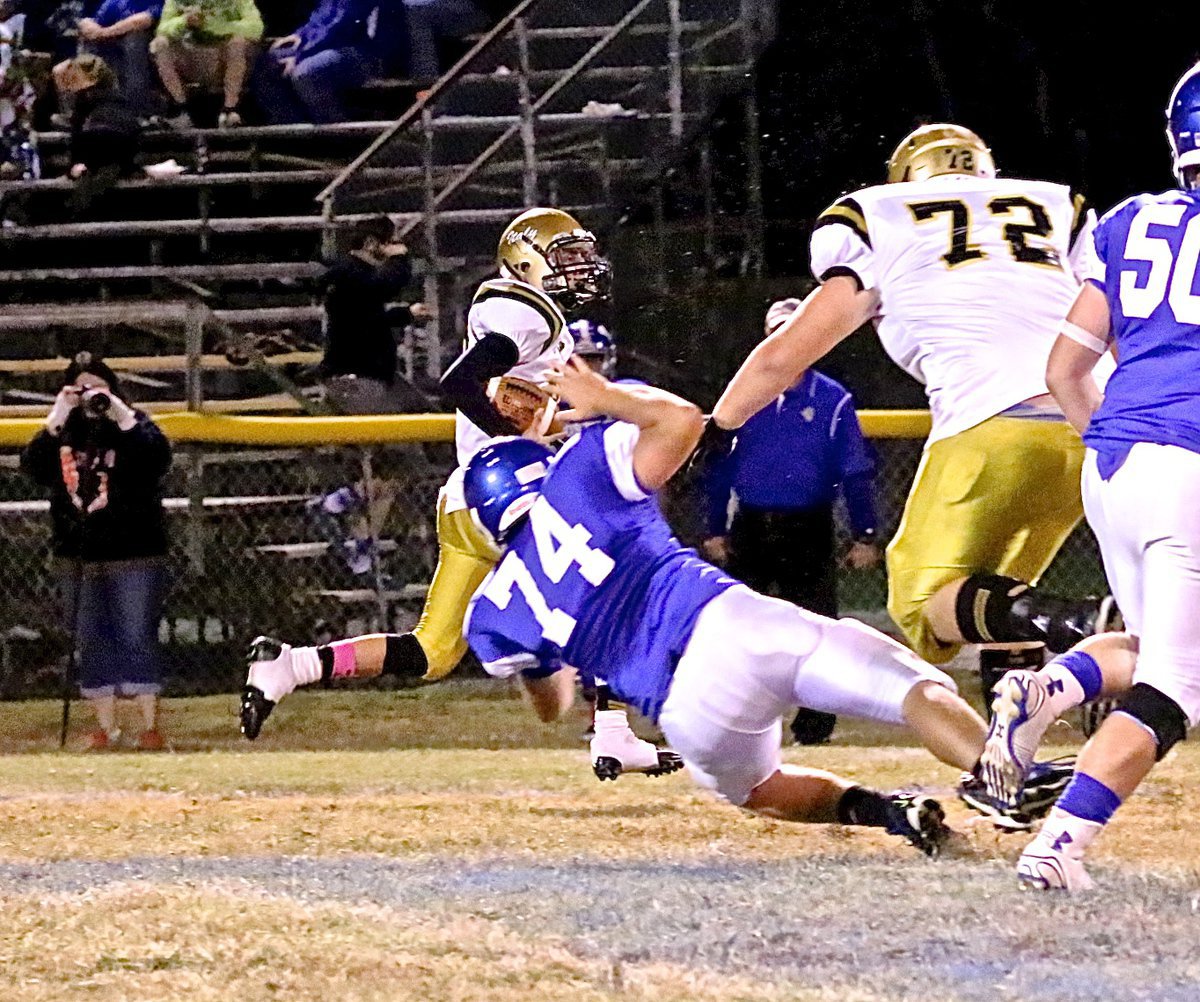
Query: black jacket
(358, 331)
(104, 132)
(105, 487)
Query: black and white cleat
(254, 710)
(255, 707)
(610, 767)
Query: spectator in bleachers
(120, 33)
(431, 20)
(18, 153)
(360, 373)
(103, 463)
(360, 347)
(307, 73)
(104, 129)
(209, 43)
(50, 25)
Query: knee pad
(983, 609)
(1158, 713)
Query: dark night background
(1076, 97)
(1060, 91)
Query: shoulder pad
(507, 288)
(846, 212)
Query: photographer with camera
(103, 463)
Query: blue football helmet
(593, 341)
(502, 481)
(1183, 123)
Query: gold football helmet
(548, 249)
(940, 149)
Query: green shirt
(222, 19)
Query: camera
(96, 403)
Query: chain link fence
(310, 543)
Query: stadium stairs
(202, 289)
(580, 104)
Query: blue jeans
(119, 605)
(129, 57)
(315, 89)
(429, 20)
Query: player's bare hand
(863, 556)
(584, 390)
(547, 427)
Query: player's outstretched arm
(1084, 339)
(833, 312)
(670, 426)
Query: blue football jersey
(594, 579)
(1148, 248)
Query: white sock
(306, 665)
(1063, 688)
(1068, 834)
(611, 720)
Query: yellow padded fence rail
(228, 429)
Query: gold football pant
(999, 498)
(465, 556)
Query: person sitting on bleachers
(210, 43)
(50, 24)
(307, 74)
(430, 20)
(120, 33)
(104, 129)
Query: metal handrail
(548, 95)
(415, 110)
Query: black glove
(715, 445)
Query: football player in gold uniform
(966, 277)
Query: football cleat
(1042, 867)
(615, 751)
(270, 679)
(1043, 785)
(1021, 713)
(1004, 814)
(919, 820)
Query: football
(523, 403)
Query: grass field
(441, 844)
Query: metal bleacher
(581, 103)
(203, 290)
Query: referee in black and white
(770, 502)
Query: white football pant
(752, 659)
(1146, 518)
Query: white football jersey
(534, 323)
(975, 277)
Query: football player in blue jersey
(516, 326)
(1141, 479)
(592, 577)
